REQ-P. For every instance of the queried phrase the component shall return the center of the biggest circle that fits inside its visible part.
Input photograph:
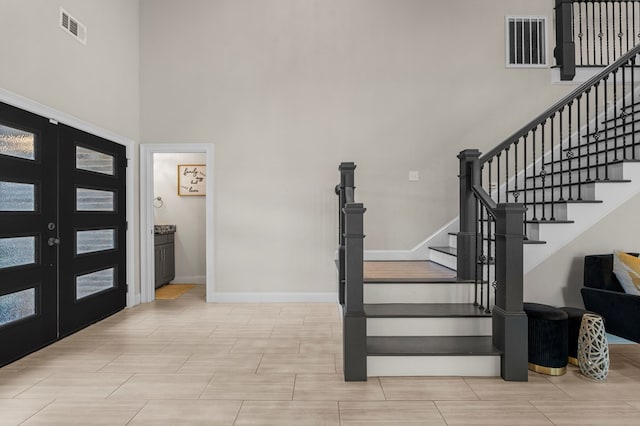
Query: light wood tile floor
(186, 362)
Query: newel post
(354, 321)
(467, 250)
(347, 179)
(565, 51)
(509, 320)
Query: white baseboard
(189, 279)
(275, 297)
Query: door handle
(53, 241)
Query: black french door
(62, 231)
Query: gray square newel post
(467, 239)
(354, 320)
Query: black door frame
(55, 116)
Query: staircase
(460, 312)
(421, 321)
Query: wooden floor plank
(406, 270)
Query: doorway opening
(184, 254)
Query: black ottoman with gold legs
(574, 322)
(548, 329)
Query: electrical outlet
(493, 186)
(414, 176)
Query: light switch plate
(414, 176)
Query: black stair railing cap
(561, 103)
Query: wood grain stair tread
(423, 310)
(431, 346)
(407, 271)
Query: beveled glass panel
(17, 197)
(16, 306)
(17, 143)
(95, 240)
(94, 200)
(94, 161)
(95, 282)
(16, 251)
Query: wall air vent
(526, 38)
(71, 26)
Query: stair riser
(540, 211)
(421, 293)
(473, 326)
(469, 365)
(453, 241)
(444, 259)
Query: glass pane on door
(17, 197)
(17, 251)
(17, 143)
(18, 305)
(94, 200)
(95, 240)
(95, 282)
(94, 161)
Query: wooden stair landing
(418, 271)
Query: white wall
(287, 89)
(97, 83)
(187, 213)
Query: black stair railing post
(509, 320)
(565, 51)
(467, 242)
(354, 321)
(346, 181)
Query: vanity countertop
(164, 229)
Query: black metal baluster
(560, 142)
(593, 25)
(580, 34)
(570, 156)
(600, 34)
(543, 174)
(481, 226)
(553, 179)
(535, 184)
(490, 181)
(633, 109)
(596, 137)
(516, 194)
(626, 4)
(483, 258)
(606, 15)
(606, 130)
(579, 99)
(615, 117)
(491, 258)
(623, 115)
(498, 182)
(620, 33)
(586, 30)
(506, 174)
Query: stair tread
(446, 250)
(584, 167)
(431, 345)
(423, 310)
(422, 271)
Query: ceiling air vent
(71, 26)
